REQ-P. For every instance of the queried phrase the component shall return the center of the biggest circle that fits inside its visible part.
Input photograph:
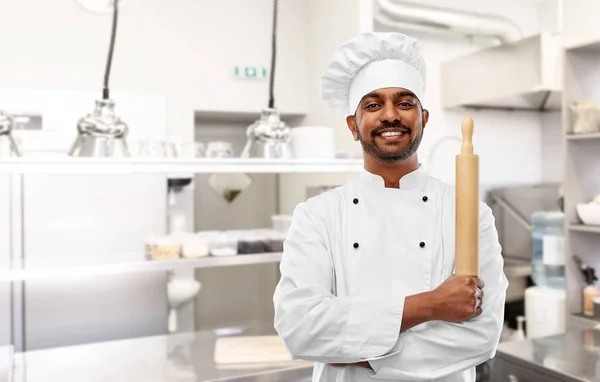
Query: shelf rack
(92, 266)
(62, 165)
(581, 81)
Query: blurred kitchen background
(188, 78)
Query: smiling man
(367, 289)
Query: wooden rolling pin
(467, 205)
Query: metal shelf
(584, 228)
(577, 137)
(161, 358)
(68, 165)
(584, 321)
(85, 266)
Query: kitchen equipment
(252, 242)
(219, 149)
(548, 260)
(544, 311)
(8, 147)
(229, 186)
(281, 223)
(102, 133)
(590, 291)
(274, 241)
(189, 150)
(197, 245)
(589, 213)
(268, 137)
(250, 349)
(312, 142)
(585, 117)
(180, 291)
(164, 248)
(467, 204)
(519, 334)
(224, 244)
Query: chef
(367, 289)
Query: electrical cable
(273, 54)
(105, 91)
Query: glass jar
(219, 149)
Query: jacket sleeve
(443, 348)
(313, 322)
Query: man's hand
(364, 364)
(458, 298)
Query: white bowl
(589, 213)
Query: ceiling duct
(424, 18)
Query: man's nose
(389, 113)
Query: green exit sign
(252, 72)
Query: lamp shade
(101, 133)
(8, 147)
(268, 137)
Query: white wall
(183, 50)
(509, 143)
(330, 23)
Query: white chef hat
(372, 61)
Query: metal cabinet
(503, 370)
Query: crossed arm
(318, 326)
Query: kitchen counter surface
(571, 357)
(176, 357)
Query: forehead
(388, 93)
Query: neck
(391, 172)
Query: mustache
(396, 124)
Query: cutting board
(250, 349)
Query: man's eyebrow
(372, 95)
(405, 93)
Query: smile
(391, 133)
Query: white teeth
(391, 133)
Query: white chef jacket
(354, 253)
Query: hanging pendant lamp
(102, 133)
(269, 137)
(8, 147)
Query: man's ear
(425, 117)
(351, 122)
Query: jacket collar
(415, 180)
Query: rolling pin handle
(467, 133)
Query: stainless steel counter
(178, 357)
(570, 357)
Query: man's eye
(405, 104)
(371, 105)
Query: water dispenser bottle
(548, 260)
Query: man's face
(389, 124)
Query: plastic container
(196, 246)
(224, 244)
(166, 248)
(281, 223)
(274, 241)
(252, 242)
(548, 260)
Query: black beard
(399, 155)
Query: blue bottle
(548, 260)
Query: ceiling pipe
(403, 15)
(383, 19)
